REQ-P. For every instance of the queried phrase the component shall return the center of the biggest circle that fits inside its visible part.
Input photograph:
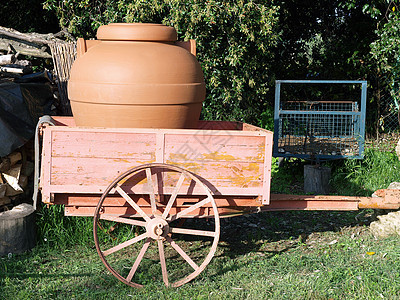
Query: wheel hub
(157, 228)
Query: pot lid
(137, 32)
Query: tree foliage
(384, 59)
(386, 48)
(244, 46)
(235, 43)
(27, 16)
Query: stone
(387, 224)
(398, 149)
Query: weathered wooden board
(85, 160)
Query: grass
(275, 255)
(349, 177)
(362, 177)
(307, 260)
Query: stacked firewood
(14, 44)
(15, 171)
(9, 64)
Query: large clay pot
(136, 75)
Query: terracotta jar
(136, 75)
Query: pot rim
(136, 32)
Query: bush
(235, 42)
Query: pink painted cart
(145, 182)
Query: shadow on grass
(276, 232)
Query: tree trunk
(17, 229)
(316, 179)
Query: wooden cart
(145, 182)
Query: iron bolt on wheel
(148, 244)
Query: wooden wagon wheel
(157, 225)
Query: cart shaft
(84, 205)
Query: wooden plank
(64, 121)
(44, 183)
(207, 147)
(129, 211)
(388, 199)
(336, 205)
(124, 212)
(142, 189)
(287, 197)
(154, 131)
(204, 125)
(266, 185)
(92, 200)
(104, 145)
(96, 172)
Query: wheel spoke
(155, 218)
(162, 261)
(138, 260)
(192, 232)
(182, 253)
(125, 244)
(173, 196)
(132, 203)
(123, 220)
(190, 209)
(151, 191)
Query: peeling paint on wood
(86, 160)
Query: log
(32, 44)
(14, 157)
(7, 162)
(12, 178)
(3, 189)
(7, 59)
(12, 70)
(4, 200)
(17, 229)
(4, 164)
(316, 179)
(23, 181)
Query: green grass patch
(349, 177)
(362, 177)
(289, 255)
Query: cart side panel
(231, 164)
(86, 160)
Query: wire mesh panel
(319, 129)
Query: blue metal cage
(320, 125)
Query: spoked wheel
(150, 243)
